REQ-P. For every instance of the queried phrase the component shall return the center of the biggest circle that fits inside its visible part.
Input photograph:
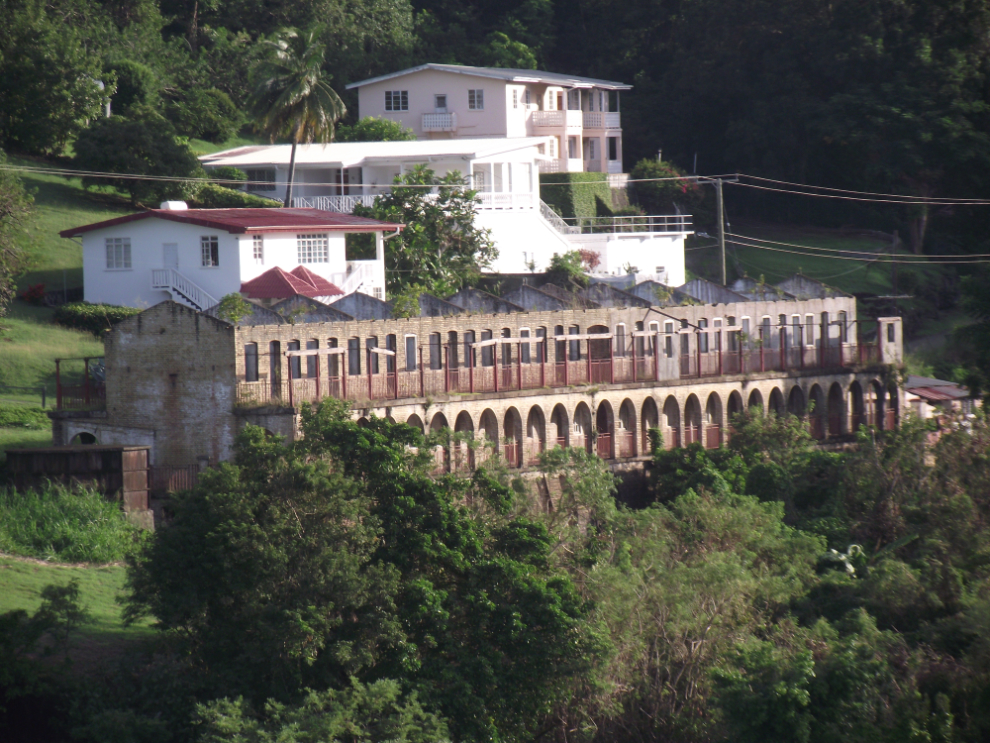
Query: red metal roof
(323, 287)
(241, 221)
(276, 283)
(938, 394)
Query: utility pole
(721, 225)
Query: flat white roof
(355, 154)
(508, 74)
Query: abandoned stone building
(598, 375)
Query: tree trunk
(292, 171)
(917, 228)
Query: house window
(260, 180)
(487, 352)
(524, 348)
(574, 100)
(572, 147)
(118, 252)
(295, 367)
(353, 356)
(210, 245)
(313, 248)
(396, 100)
(613, 148)
(553, 147)
(515, 99)
(259, 249)
(436, 359)
(378, 293)
(250, 362)
(440, 103)
(410, 353)
(371, 344)
(476, 100)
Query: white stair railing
(182, 288)
(359, 273)
(556, 221)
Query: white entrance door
(170, 255)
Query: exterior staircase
(183, 289)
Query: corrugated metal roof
(511, 74)
(241, 221)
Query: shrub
(212, 196)
(660, 196)
(137, 85)
(143, 143)
(228, 173)
(34, 294)
(94, 318)
(576, 194)
(206, 114)
(372, 129)
(64, 524)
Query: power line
(940, 202)
(860, 193)
(873, 259)
(902, 258)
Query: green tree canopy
(373, 129)
(440, 247)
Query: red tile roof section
(323, 287)
(276, 283)
(242, 221)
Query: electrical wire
(902, 257)
(940, 202)
(875, 259)
(860, 193)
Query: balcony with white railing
(602, 120)
(615, 167)
(341, 204)
(508, 200)
(639, 224)
(440, 122)
(556, 119)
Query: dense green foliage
(68, 525)
(143, 143)
(440, 248)
(23, 417)
(15, 207)
(214, 196)
(577, 194)
(206, 114)
(372, 129)
(658, 196)
(95, 318)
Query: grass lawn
(22, 438)
(29, 347)
(104, 635)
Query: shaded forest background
(884, 95)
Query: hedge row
(577, 194)
(94, 318)
(212, 196)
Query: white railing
(490, 200)
(358, 274)
(549, 118)
(551, 166)
(187, 289)
(615, 225)
(592, 166)
(341, 204)
(602, 120)
(440, 122)
(556, 221)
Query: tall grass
(65, 525)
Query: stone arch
(513, 432)
(795, 402)
(875, 404)
(560, 425)
(363, 422)
(735, 410)
(818, 416)
(464, 451)
(836, 410)
(605, 430)
(713, 421)
(692, 420)
(488, 435)
(857, 407)
(416, 422)
(441, 452)
(755, 404)
(891, 409)
(536, 434)
(389, 418)
(625, 432)
(776, 403)
(84, 438)
(671, 423)
(582, 426)
(649, 419)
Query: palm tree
(291, 98)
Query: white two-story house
(579, 115)
(504, 172)
(196, 256)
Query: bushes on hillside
(94, 318)
(24, 417)
(137, 85)
(213, 196)
(63, 524)
(142, 143)
(206, 114)
(576, 194)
